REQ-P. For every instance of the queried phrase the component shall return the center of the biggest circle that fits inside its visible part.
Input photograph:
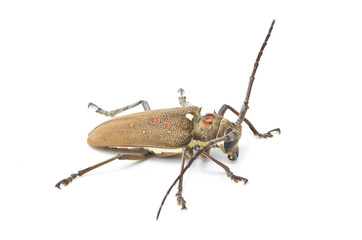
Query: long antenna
(228, 137)
(245, 106)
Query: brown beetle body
(163, 132)
(167, 132)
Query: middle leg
(112, 113)
(182, 99)
(180, 200)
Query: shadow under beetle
(168, 132)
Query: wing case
(164, 128)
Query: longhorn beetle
(168, 132)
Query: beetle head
(211, 126)
(231, 147)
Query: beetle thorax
(206, 127)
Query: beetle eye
(231, 144)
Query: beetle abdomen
(164, 128)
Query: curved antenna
(245, 106)
(228, 137)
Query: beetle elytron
(168, 132)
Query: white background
(56, 56)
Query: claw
(180, 200)
(66, 181)
(269, 134)
(92, 105)
(235, 178)
(99, 110)
(276, 130)
(181, 91)
(61, 182)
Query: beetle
(168, 132)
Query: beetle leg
(182, 99)
(68, 180)
(229, 173)
(231, 136)
(180, 200)
(262, 135)
(120, 156)
(112, 113)
(252, 128)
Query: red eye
(209, 115)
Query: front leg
(261, 135)
(229, 173)
(252, 128)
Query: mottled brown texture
(164, 128)
(206, 127)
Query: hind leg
(132, 156)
